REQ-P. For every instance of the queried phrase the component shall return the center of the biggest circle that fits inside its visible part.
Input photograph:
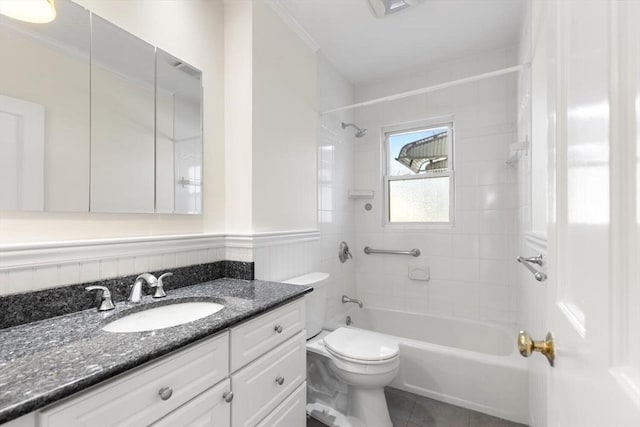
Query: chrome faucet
(159, 293)
(346, 299)
(136, 289)
(106, 303)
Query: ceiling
(364, 48)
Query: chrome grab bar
(539, 275)
(413, 252)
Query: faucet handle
(160, 293)
(106, 302)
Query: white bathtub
(465, 363)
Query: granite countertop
(45, 361)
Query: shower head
(359, 132)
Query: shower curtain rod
(433, 88)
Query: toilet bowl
(366, 362)
(363, 360)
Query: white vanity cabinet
(250, 375)
(268, 360)
(144, 396)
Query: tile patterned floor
(410, 410)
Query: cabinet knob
(227, 396)
(280, 380)
(165, 393)
(278, 329)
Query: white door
(593, 288)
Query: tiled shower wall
(336, 176)
(472, 267)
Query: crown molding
(281, 10)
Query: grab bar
(413, 252)
(539, 275)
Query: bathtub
(465, 363)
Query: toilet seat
(361, 346)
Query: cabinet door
(262, 385)
(207, 410)
(291, 412)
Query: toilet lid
(359, 344)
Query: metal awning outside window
(426, 154)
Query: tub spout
(346, 299)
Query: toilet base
(369, 406)
(332, 417)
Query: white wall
(336, 176)
(193, 31)
(271, 122)
(473, 272)
(284, 126)
(238, 98)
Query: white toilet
(365, 361)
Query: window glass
(419, 175)
(425, 150)
(419, 200)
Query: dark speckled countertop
(45, 361)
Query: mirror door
(122, 121)
(44, 112)
(178, 136)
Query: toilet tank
(316, 301)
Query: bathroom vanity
(248, 370)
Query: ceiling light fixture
(382, 8)
(35, 11)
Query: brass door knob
(526, 346)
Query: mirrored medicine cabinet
(94, 119)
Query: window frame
(387, 132)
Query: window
(419, 175)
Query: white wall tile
(477, 249)
(466, 245)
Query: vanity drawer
(291, 412)
(256, 387)
(134, 398)
(257, 336)
(209, 409)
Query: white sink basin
(162, 317)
